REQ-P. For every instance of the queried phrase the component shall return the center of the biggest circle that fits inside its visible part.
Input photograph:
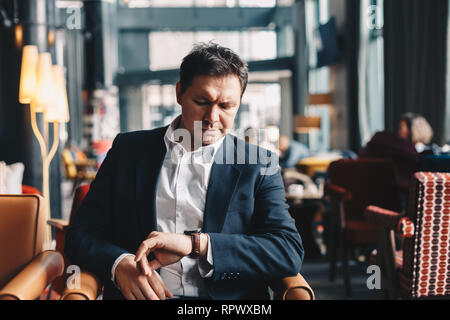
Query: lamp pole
(43, 87)
(46, 159)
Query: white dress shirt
(180, 205)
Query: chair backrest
(427, 254)
(29, 190)
(80, 193)
(22, 222)
(60, 237)
(371, 181)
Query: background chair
(78, 167)
(352, 186)
(29, 190)
(60, 226)
(25, 270)
(290, 288)
(420, 268)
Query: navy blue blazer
(253, 237)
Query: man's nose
(212, 114)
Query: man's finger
(144, 249)
(145, 267)
(137, 293)
(131, 296)
(148, 291)
(168, 293)
(161, 289)
(127, 294)
(154, 264)
(157, 285)
(141, 267)
(141, 250)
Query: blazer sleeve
(87, 242)
(273, 249)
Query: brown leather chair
(290, 288)
(25, 270)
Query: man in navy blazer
(129, 229)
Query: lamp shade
(28, 74)
(58, 110)
(44, 87)
(304, 124)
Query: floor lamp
(43, 87)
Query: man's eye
(201, 103)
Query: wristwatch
(195, 238)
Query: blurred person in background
(291, 152)
(413, 130)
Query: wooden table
(311, 165)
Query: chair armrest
(293, 288)
(34, 278)
(382, 217)
(337, 192)
(58, 223)
(89, 288)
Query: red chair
(352, 186)
(30, 190)
(424, 270)
(60, 228)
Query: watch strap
(195, 238)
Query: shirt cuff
(113, 269)
(206, 266)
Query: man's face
(213, 100)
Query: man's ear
(178, 92)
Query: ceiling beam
(171, 76)
(200, 18)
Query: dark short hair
(214, 60)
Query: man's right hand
(137, 286)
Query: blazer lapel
(222, 183)
(147, 173)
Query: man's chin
(210, 138)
